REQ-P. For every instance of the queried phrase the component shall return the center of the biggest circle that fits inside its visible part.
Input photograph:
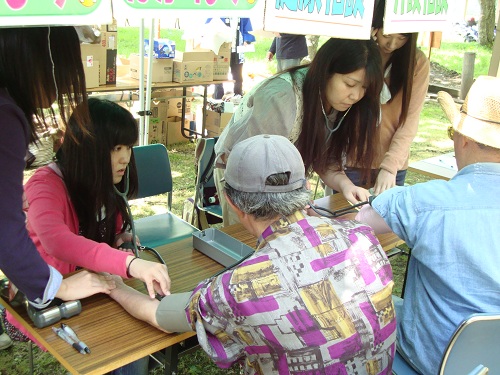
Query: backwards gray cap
(253, 160)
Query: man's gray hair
(266, 206)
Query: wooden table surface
(114, 337)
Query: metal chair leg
(406, 273)
(32, 367)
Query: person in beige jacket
(406, 76)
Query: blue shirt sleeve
(245, 28)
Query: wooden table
(442, 167)
(114, 337)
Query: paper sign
(54, 12)
(90, 61)
(405, 16)
(350, 19)
(182, 5)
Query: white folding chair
(472, 350)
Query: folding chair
(208, 212)
(472, 350)
(155, 177)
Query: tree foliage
(487, 22)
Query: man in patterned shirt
(315, 298)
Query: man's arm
(371, 217)
(168, 315)
(137, 304)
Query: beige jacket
(393, 151)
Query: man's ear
(231, 204)
(373, 33)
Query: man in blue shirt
(452, 228)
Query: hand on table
(84, 284)
(154, 275)
(355, 194)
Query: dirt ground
(441, 76)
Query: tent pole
(147, 103)
(143, 131)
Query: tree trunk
(487, 22)
(312, 47)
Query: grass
(431, 140)
(450, 55)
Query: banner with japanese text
(350, 19)
(176, 8)
(54, 12)
(405, 16)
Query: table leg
(172, 354)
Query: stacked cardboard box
(222, 62)
(161, 69)
(165, 121)
(99, 59)
(215, 122)
(194, 66)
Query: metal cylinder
(467, 73)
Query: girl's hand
(125, 237)
(355, 194)
(84, 284)
(154, 275)
(385, 181)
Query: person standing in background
(240, 31)
(289, 50)
(406, 79)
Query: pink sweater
(53, 226)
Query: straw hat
(479, 116)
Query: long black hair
(85, 161)
(39, 65)
(356, 136)
(403, 62)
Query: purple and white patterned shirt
(315, 298)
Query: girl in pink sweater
(75, 218)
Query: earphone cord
(53, 66)
(331, 131)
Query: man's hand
(269, 56)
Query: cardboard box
(175, 107)
(162, 48)
(109, 41)
(165, 128)
(106, 52)
(97, 53)
(193, 66)
(173, 131)
(216, 122)
(155, 131)
(91, 69)
(161, 70)
(222, 62)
